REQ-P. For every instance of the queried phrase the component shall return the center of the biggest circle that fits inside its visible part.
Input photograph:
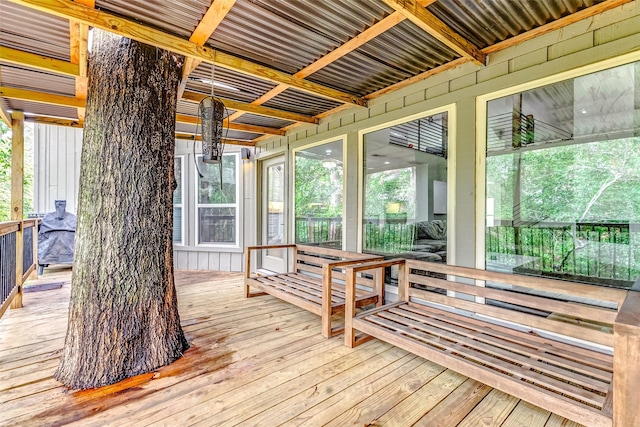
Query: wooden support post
(34, 273)
(17, 191)
(626, 363)
(326, 301)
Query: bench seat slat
(488, 335)
(562, 405)
(280, 284)
(309, 285)
(600, 361)
(570, 288)
(525, 319)
(473, 338)
(456, 349)
(597, 314)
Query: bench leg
(248, 294)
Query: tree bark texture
(123, 315)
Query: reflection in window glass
(275, 209)
(563, 179)
(405, 190)
(217, 204)
(177, 202)
(318, 195)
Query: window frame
(482, 102)
(238, 213)
(181, 205)
(292, 182)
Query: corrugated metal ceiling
(287, 35)
(30, 31)
(36, 108)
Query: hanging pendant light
(211, 115)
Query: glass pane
(563, 180)
(275, 209)
(405, 190)
(217, 225)
(319, 198)
(209, 190)
(177, 193)
(177, 225)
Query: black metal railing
(7, 264)
(28, 235)
(318, 230)
(603, 253)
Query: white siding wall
(190, 255)
(57, 171)
(56, 166)
(606, 36)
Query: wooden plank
(9, 227)
(38, 62)
(486, 334)
(428, 22)
(41, 97)
(207, 25)
(569, 351)
(491, 411)
(55, 121)
(545, 399)
(455, 407)
(378, 403)
(183, 118)
(526, 414)
(134, 30)
(523, 319)
(486, 358)
(411, 409)
(582, 311)
(17, 196)
(626, 363)
(472, 339)
(558, 286)
(253, 109)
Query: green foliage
(393, 186)
(5, 171)
(318, 189)
(209, 191)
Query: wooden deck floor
(253, 362)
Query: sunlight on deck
(253, 362)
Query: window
(405, 189)
(217, 220)
(563, 179)
(319, 195)
(178, 224)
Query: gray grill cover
(55, 239)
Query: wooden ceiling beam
(189, 137)
(210, 21)
(134, 30)
(513, 41)
(55, 121)
(253, 109)
(183, 118)
(427, 21)
(79, 53)
(352, 44)
(38, 62)
(41, 97)
(5, 116)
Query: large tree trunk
(123, 315)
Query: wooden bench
(316, 281)
(548, 342)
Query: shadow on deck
(255, 361)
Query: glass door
(273, 212)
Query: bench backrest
(310, 259)
(576, 310)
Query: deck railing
(318, 230)
(607, 253)
(18, 246)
